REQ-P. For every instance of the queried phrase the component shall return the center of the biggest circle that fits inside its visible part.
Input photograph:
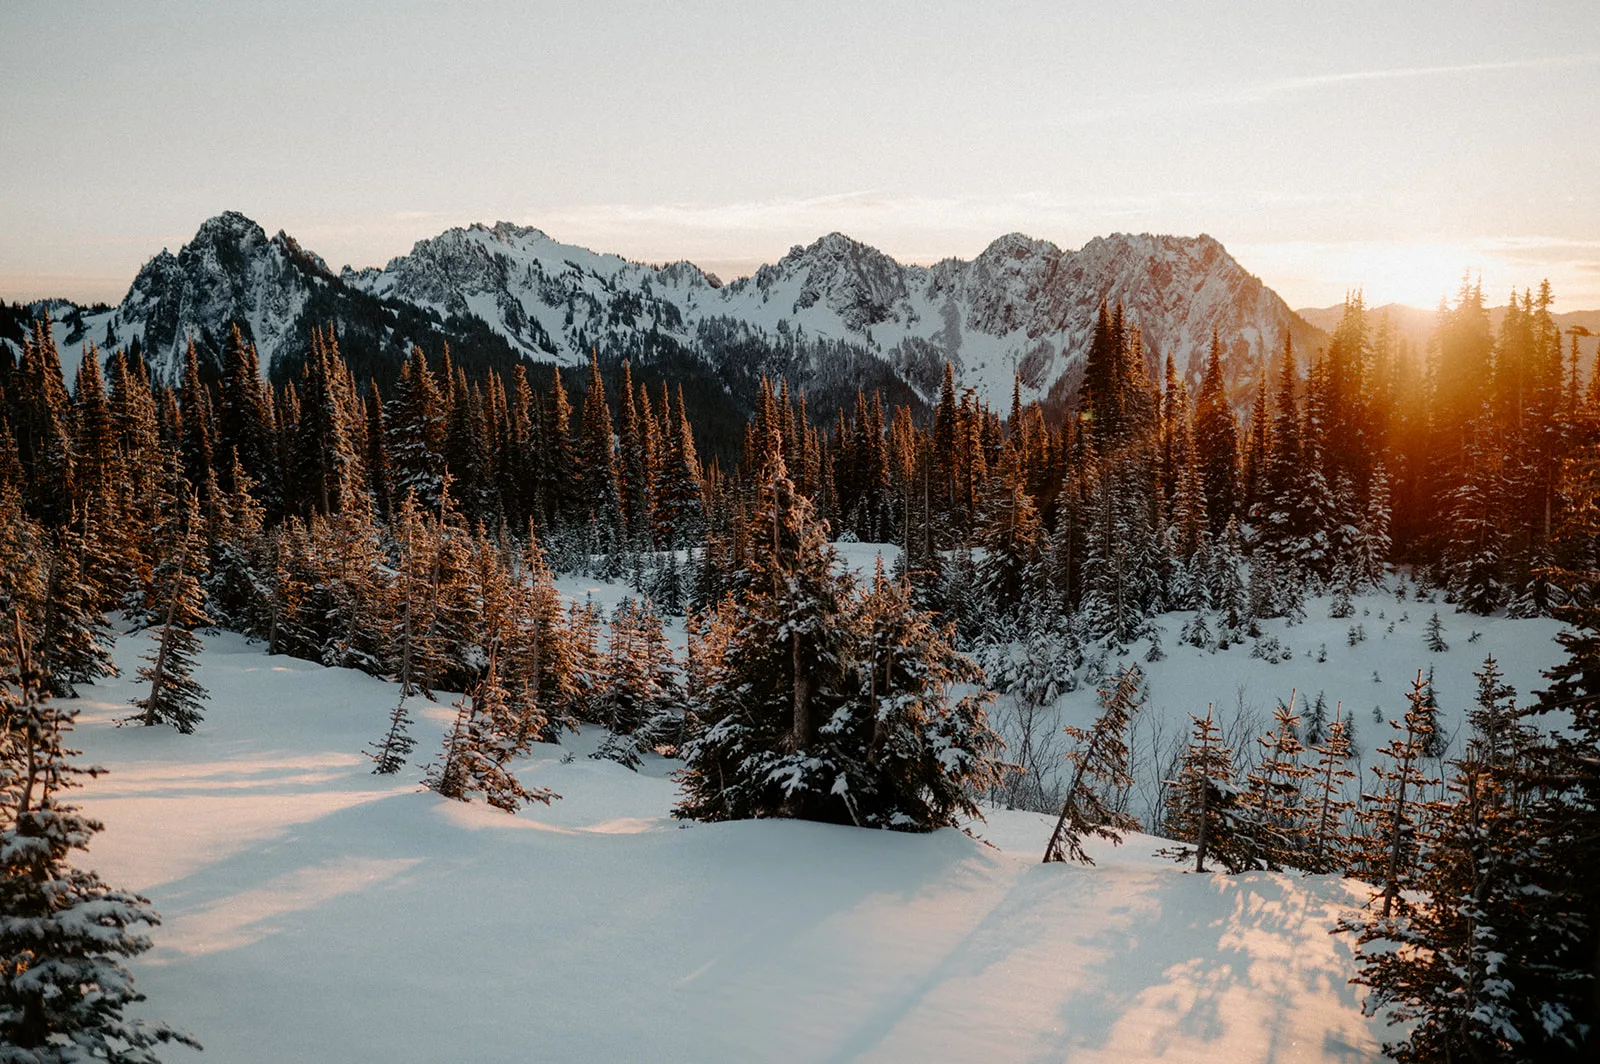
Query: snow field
(316, 912)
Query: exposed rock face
(829, 313)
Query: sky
(1389, 147)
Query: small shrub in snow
(1435, 638)
(1270, 650)
(1356, 634)
(623, 749)
(1196, 632)
(1322, 653)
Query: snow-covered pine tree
(679, 511)
(416, 434)
(640, 680)
(538, 653)
(1010, 571)
(1566, 814)
(389, 753)
(479, 746)
(1203, 810)
(412, 651)
(175, 697)
(1473, 968)
(1099, 762)
(1474, 556)
(458, 602)
(355, 589)
(1227, 589)
(601, 500)
(1374, 540)
(238, 588)
(74, 637)
(905, 754)
(1277, 516)
(1217, 440)
(63, 930)
(785, 671)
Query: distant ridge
(831, 316)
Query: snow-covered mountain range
(833, 313)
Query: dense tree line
(413, 529)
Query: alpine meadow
(935, 644)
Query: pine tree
(244, 420)
(1204, 808)
(328, 472)
(639, 670)
(602, 505)
(63, 988)
(1011, 571)
(1566, 816)
(40, 420)
(1217, 440)
(1393, 816)
(633, 472)
(1316, 727)
(74, 636)
(1273, 802)
(478, 748)
(194, 405)
(389, 754)
(1278, 514)
(1327, 849)
(1374, 541)
(175, 698)
(416, 434)
(94, 444)
(680, 514)
(1473, 968)
(1435, 638)
(904, 753)
(1100, 763)
(785, 673)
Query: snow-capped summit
(231, 271)
(831, 314)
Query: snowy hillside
(834, 313)
(314, 911)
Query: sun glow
(1416, 274)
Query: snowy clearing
(314, 911)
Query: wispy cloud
(1262, 90)
(913, 228)
(1194, 99)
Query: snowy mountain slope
(833, 314)
(313, 911)
(1022, 306)
(276, 291)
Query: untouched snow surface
(316, 912)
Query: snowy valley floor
(316, 912)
